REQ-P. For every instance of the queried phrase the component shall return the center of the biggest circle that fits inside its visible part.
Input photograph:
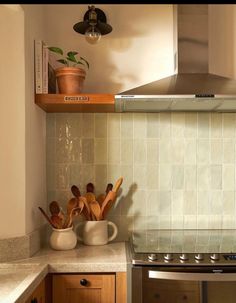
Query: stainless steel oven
(189, 266)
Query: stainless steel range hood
(192, 88)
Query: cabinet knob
(157, 296)
(83, 282)
(185, 297)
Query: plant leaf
(56, 50)
(72, 59)
(69, 54)
(85, 62)
(63, 61)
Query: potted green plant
(70, 77)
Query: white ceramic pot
(96, 232)
(63, 239)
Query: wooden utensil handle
(110, 197)
(109, 187)
(117, 185)
(106, 209)
(47, 217)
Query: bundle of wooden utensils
(90, 206)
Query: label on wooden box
(76, 98)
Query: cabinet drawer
(82, 281)
(84, 288)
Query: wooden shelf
(88, 103)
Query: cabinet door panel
(84, 295)
(97, 289)
(38, 294)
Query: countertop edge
(28, 285)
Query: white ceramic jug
(96, 232)
(63, 239)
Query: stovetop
(184, 247)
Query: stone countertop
(18, 279)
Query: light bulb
(92, 35)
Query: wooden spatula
(95, 209)
(101, 197)
(110, 198)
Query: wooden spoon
(57, 221)
(110, 198)
(72, 203)
(90, 188)
(102, 197)
(109, 187)
(57, 211)
(86, 210)
(75, 191)
(90, 193)
(73, 213)
(47, 217)
(54, 208)
(95, 209)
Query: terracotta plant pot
(70, 80)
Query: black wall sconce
(94, 25)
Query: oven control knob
(215, 257)
(168, 257)
(183, 257)
(152, 257)
(199, 257)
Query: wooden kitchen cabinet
(88, 103)
(38, 296)
(89, 288)
(162, 291)
(83, 288)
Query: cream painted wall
(137, 51)
(140, 47)
(35, 121)
(12, 122)
(22, 153)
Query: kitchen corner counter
(28, 273)
(17, 281)
(104, 258)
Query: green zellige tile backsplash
(178, 168)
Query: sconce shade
(102, 26)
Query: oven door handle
(172, 275)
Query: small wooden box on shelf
(88, 103)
